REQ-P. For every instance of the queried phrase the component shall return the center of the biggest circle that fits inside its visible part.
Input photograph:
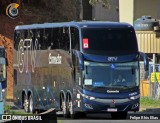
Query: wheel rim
(70, 106)
(31, 104)
(63, 107)
(25, 104)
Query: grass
(149, 102)
(59, 121)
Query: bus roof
(80, 24)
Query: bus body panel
(59, 60)
(42, 77)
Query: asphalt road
(106, 118)
(110, 121)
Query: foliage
(147, 101)
(105, 3)
(7, 108)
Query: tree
(105, 3)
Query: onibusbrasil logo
(12, 10)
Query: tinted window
(17, 37)
(60, 38)
(41, 39)
(2, 52)
(103, 40)
(75, 38)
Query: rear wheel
(25, 103)
(73, 114)
(63, 106)
(30, 104)
(67, 115)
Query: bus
(3, 78)
(72, 66)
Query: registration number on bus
(112, 109)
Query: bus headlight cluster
(134, 97)
(88, 97)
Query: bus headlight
(88, 97)
(134, 97)
(91, 98)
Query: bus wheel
(67, 115)
(25, 104)
(73, 114)
(30, 104)
(63, 107)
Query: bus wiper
(125, 86)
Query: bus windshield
(108, 75)
(108, 40)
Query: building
(130, 10)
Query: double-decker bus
(73, 66)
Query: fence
(154, 81)
(150, 81)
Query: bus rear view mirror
(146, 61)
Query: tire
(63, 106)
(67, 115)
(30, 106)
(25, 103)
(73, 114)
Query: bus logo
(111, 59)
(55, 59)
(112, 91)
(12, 10)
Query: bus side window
(60, 38)
(75, 38)
(15, 76)
(40, 33)
(47, 38)
(17, 37)
(33, 37)
(43, 36)
(25, 34)
(54, 42)
(65, 39)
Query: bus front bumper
(110, 105)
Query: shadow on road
(151, 111)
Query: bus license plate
(112, 109)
